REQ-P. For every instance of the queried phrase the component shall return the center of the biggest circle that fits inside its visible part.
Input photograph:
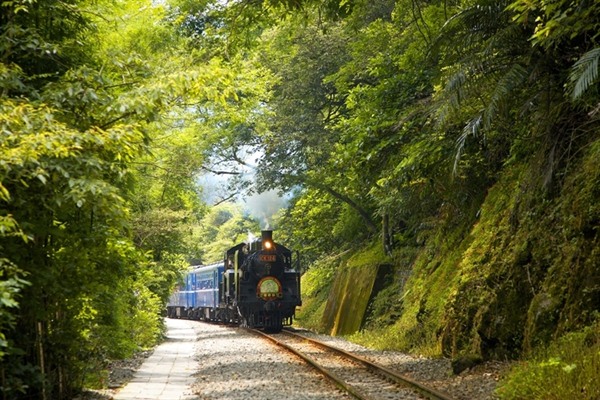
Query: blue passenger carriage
(198, 296)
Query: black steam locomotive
(257, 285)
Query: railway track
(359, 377)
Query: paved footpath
(167, 373)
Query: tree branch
(219, 172)
(224, 200)
(367, 219)
(115, 120)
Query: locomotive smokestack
(267, 240)
(267, 236)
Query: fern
(506, 85)
(584, 73)
(472, 128)
(455, 88)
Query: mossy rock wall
(532, 272)
(528, 271)
(524, 272)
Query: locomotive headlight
(268, 245)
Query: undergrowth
(316, 283)
(567, 369)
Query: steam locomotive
(257, 285)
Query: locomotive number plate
(267, 257)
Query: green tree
(518, 59)
(223, 227)
(60, 182)
(75, 114)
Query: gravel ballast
(477, 383)
(236, 365)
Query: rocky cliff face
(525, 271)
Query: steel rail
(393, 376)
(423, 390)
(333, 377)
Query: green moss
(336, 291)
(368, 257)
(310, 314)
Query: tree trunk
(385, 234)
(40, 340)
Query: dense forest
(452, 146)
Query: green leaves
(11, 284)
(77, 115)
(61, 188)
(222, 227)
(584, 73)
(108, 116)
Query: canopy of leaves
(402, 109)
(223, 227)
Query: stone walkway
(168, 373)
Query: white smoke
(263, 206)
(251, 237)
